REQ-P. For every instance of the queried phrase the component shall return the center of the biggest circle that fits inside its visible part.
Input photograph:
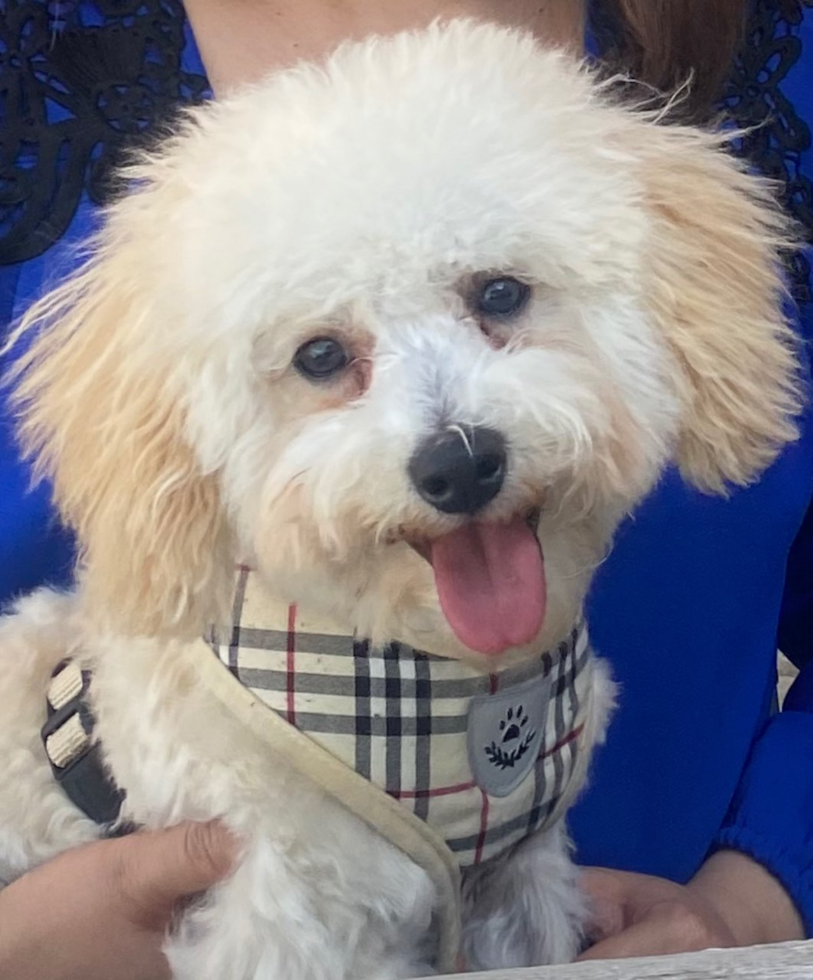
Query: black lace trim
(755, 99)
(74, 99)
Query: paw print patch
(516, 739)
(505, 732)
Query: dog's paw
(525, 910)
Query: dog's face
(378, 328)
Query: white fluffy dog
(408, 334)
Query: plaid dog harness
(484, 759)
(451, 765)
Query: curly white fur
(362, 200)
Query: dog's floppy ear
(713, 283)
(102, 417)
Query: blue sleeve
(34, 548)
(771, 818)
(796, 625)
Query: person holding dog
(698, 814)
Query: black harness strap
(75, 756)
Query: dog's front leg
(335, 906)
(524, 910)
(37, 819)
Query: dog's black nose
(460, 471)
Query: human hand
(101, 911)
(732, 901)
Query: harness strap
(366, 801)
(75, 758)
(77, 765)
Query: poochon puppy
(360, 376)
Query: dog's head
(415, 307)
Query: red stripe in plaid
(291, 689)
(425, 794)
(570, 737)
(481, 840)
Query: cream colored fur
(359, 200)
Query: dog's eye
(321, 358)
(503, 296)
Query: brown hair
(666, 42)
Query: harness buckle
(75, 758)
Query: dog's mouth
(491, 583)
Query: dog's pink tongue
(491, 584)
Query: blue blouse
(698, 592)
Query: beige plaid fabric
(483, 758)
